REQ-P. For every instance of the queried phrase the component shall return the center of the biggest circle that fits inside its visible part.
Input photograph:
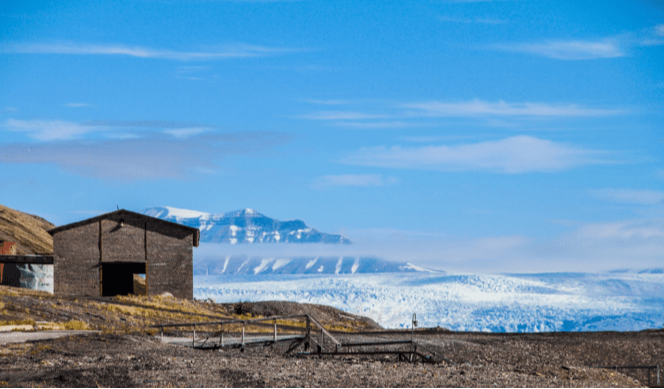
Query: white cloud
(639, 229)
(361, 180)
(631, 196)
(187, 132)
(76, 105)
(341, 115)
(50, 130)
(224, 52)
(611, 47)
(519, 154)
(478, 107)
(568, 50)
(405, 114)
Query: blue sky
(522, 134)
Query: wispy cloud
(342, 115)
(452, 19)
(50, 130)
(187, 132)
(643, 229)
(630, 196)
(59, 130)
(501, 108)
(403, 114)
(76, 105)
(358, 180)
(568, 50)
(585, 49)
(155, 156)
(219, 53)
(519, 154)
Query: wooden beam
(27, 259)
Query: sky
(480, 135)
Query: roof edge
(195, 231)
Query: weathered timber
(126, 243)
(27, 259)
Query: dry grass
(28, 231)
(130, 314)
(76, 325)
(29, 322)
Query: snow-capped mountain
(245, 265)
(244, 227)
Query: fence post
(243, 333)
(308, 336)
(658, 384)
(275, 330)
(193, 337)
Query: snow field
(465, 302)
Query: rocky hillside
(28, 231)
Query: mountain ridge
(245, 226)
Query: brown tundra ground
(126, 353)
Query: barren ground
(127, 354)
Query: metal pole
(243, 333)
(222, 339)
(193, 337)
(658, 384)
(275, 330)
(221, 335)
(162, 334)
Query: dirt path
(21, 337)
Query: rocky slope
(28, 231)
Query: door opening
(120, 278)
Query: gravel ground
(480, 360)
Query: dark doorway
(11, 275)
(118, 277)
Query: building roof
(105, 216)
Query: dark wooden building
(99, 256)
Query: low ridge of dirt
(323, 313)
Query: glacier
(611, 301)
